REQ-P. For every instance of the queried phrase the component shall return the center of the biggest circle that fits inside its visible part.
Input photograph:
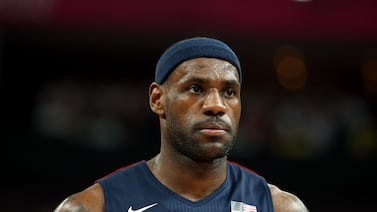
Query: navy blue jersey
(136, 189)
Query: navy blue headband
(193, 48)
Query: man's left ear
(156, 96)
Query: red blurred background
(74, 77)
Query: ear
(156, 97)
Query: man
(196, 95)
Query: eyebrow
(232, 83)
(202, 81)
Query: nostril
(213, 113)
(220, 113)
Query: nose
(213, 104)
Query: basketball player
(196, 95)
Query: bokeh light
(369, 72)
(291, 71)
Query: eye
(195, 89)
(230, 92)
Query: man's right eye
(195, 89)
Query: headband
(194, 48)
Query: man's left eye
(229, 92)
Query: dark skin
(199, 108)
(205, 108)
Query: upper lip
(214, 126)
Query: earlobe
(156, 95)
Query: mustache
(213, 122)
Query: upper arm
(90, 199)
(284, 201)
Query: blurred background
(74, 79)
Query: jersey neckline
(180, 198)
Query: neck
(191, 179)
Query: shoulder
(90, 199)
(285, 201)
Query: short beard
(189, 147)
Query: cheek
(235, 108)
(235, 116)
(180, 111)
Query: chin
(212, 151)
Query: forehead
(210, 68)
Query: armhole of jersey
(271, 204)
(269, 195)
(104, 194)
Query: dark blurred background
(74, 79)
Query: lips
(213, 126)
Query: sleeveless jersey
(135, 189)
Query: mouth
(213, 128)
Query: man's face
(203, 108)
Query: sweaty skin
(284, 201)
(199, 108)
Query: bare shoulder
(285, 201)
(90, 199)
